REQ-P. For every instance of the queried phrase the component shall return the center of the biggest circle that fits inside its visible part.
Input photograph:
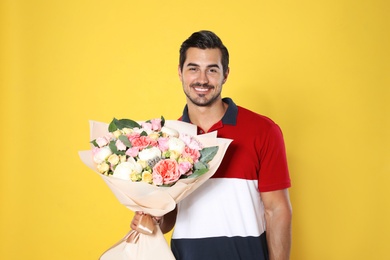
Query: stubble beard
(201, 99)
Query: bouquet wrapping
(148, 242)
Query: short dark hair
(204, 40)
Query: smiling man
(243, 211)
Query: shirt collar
(229, 118)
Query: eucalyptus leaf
(125, 140)
(113, 147)
(200, 165)
(208, 153)
(198, 173)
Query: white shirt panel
(221, 207)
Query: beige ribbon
(146, 226)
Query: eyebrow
(208, 66)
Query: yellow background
(320, 69)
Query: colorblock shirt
(224, 218)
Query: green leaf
(198, 173)
(126, 123)
(208, 153)
(162, 121)
(125, 140)
(113, 147)
(121, 123)
(112, 126)
(166, 185)
(200, 165)
(94, 143)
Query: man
(243, 211)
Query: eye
(213, 70)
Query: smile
(200, 89)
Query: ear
(226, 75)
(179, 72)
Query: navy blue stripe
(221, 248)
(229, 117)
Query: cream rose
(147, 177)
(113, 159)
(117, 133)
(103, 167)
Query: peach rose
(165, 172)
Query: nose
(203, 79)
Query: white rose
(147, 154)
(175, 144)
(102, 154)
(169, 131)
(123, 170)
(136, 166)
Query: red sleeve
(274, 174)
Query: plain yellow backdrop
(320, 69)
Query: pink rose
(166, 172)
(156, 124)
(184, 168)
(95, 150)
(120, 145)
(101, 141)
(163, 143)
(157, 179)
(132, 151)
(191, 153)
(191, 142)
(146, 126)
(143, 142)
(133, 135)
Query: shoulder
(246, 116)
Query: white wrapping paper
(153, 200)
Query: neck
(206, 117)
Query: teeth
(202, 89)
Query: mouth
(202, 88)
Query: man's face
(202, 76)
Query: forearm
(279, 234)
(168, 221)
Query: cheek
(186, 81)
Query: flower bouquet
(150, 166)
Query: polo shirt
(224, 218)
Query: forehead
(203, 56)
